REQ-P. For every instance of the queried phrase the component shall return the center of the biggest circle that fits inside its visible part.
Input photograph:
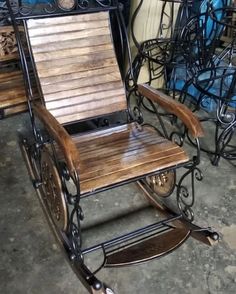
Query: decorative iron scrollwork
(75, 231)
(185, 196)
(177, 138)
(137, 115)
(58, 197)
(36, 7)
(84, 4)
(53, 193)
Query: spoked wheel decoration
(53, 195)
(163, 184)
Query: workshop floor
(32, 263)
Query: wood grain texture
(174, 107)
(12, 90)
(76, 65)
(151, 248)
(122, 153)
(63, 139)
(15, 109)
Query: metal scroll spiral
(84, 4)
(49, 6)
(137, 115)
(185, 197)
(177, 138)
(76, 214)
(75, 231)
(52, 6)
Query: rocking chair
(88, 138)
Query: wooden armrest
(174, 107)
(60, 135)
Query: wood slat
(15, 109)
(74, 116)
(134, 147)
(73, 68)
(123, 153)
(77, 75)
(70, 44)
(71, 52)
(89, 106)
(82, 63)
(74, 59)
(38, 23)
(130, 163)
(69, 36)
(81, 91)
(82, 99)
(67, 27)
(80, 83)
(90, 113)
(12, 91)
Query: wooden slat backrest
(77, 66)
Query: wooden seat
(123, 153)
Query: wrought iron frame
(70, 235)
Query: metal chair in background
(157, 52)
(193, 67)
(218, 83)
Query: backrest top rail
(53, 9)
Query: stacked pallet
(12, 91)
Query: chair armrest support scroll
(60, 135)
(174, 107)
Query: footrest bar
(131, 235)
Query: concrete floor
(31, 262)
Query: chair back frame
(23, 13)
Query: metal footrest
(151, 248)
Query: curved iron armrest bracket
(173, 107)
(60, 135)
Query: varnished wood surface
(15, 110)
(12, 92)
(77, 66)
(149, 249)
(60, 135)
(111, 156)
(174, 107)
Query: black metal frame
(70, 238)
(219, 70)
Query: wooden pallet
(12, 90)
